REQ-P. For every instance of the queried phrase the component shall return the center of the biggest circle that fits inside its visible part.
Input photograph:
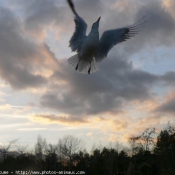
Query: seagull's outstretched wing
(112, 37)
(80, 29)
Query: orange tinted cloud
(59, 119)
(5, 107)
(170, 6)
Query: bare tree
(143, 142)
(41, 148)
(22, 149)
(170, 127)
(135, 145)
(51, 148)
(51, 157)
(147, 138)
(69, 145)
(5, 149)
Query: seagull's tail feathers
(84, 66)
(73, 61)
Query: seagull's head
(96, 24)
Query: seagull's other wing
(112, 37)
(80, 30)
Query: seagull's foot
(78, 64)
(89, 71)
(76, 67)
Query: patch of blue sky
(4, 3)
(58, 47)
(19, 99)
(14, 6)
(157, 61)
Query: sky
(40, 94)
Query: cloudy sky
(41, 94)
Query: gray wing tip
(71, 4)
(134, 29)
(139, 24)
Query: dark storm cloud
(41, 13)
(107, 90)
(168, 78)
(114, 85)
(167, 107)
(158, 31)
(161, 24)
(18, 54)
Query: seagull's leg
(89, 71)
(78, 64)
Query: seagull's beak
(98, 19)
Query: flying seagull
(89, 48)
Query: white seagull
(89, 48)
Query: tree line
(150, 153)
